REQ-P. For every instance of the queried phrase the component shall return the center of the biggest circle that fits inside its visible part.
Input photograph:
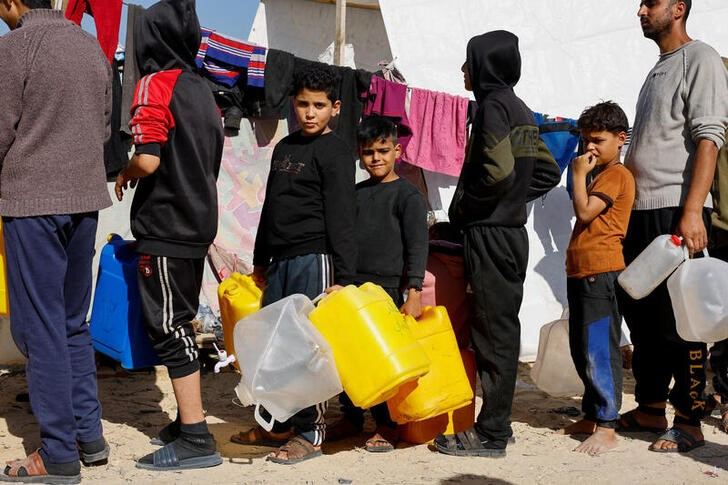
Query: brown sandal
(31, 469)
(297, 450)
(257, 436)
(384, 440)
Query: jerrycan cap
(676, 240)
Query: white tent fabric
(575, 53)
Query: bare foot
(583, 426)
(693, 431)
(603, 439)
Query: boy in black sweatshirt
(506, 166)
(305, 241)
(178, 142)
(391, 235)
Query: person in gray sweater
(681, 121)
(56, 88)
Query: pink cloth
(438, 122)
(388, 99)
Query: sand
(137, 405)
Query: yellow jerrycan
(374, 349)
(420, 432)
(443, 389)
(239, 297)
(4, 305)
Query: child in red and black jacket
(178, 140)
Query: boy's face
(604, 145)
(378, 159)
(314, 110)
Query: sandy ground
(137, 405)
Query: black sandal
(467, 443)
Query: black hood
(493, 61)
(167, 36)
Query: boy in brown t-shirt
(593, 262)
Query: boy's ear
(336, 108)
(622, 138)
(398, 150)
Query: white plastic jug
(554, 371)
(699, 293)
(652, 266)
(286, 364)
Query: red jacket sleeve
(151, 117)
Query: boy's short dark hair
(374, 128)
(317, 78)
(605, 116)
(31, 4)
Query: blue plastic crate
(116, 326)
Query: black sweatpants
(595, 330)
(380, 412)
(659, 353)
(495, 262)
(309, 275)
(169, 290)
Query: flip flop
(257, 436)
(685, 442)
(627, 423)
(165, 459)
(382, 441)
(300, 448)
(31, 469)
(467, 443)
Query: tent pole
(340, 32)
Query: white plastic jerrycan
(652, 266)
(554, 371)
(286, 364)
(699, 294)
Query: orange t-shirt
(596, 247)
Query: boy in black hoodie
(178, 140)
(506, 166)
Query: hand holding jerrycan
(374, 349)
(652, 266)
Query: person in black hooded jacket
(506, 166)
(178, 138)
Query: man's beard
(657, 30)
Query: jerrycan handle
(318, 299)
(266, 425)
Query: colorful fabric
(439, 131)
(224, 58)
(107, 17)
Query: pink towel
(388, 99)
(438, 122)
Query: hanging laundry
(279, 70)
(224, 58)
(389, 99)
(131, 68)
(107, 17)
(439, 127)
